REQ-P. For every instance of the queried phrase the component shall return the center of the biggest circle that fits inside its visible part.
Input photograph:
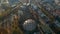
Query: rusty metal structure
(29, 17)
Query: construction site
(29, 16)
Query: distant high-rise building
(4, 3)
(57, 2)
